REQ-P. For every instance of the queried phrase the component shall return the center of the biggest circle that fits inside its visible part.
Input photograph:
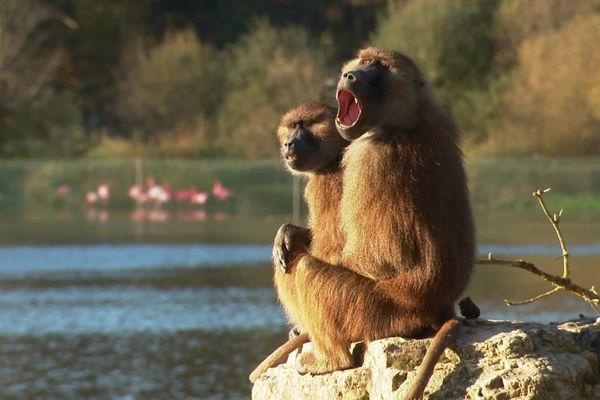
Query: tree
(269, 71)
(26, 62)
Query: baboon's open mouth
(348, 109)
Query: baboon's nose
(289, 151)
(350, 76)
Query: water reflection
(128, 309)
(122, 258)
(182, 365)
(168, 321)
(192, 331)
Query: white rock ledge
(491, 360)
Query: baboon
(312, 147)
(405, 213)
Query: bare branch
(531, 300)
(560, 283)
(554, 220)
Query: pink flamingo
(103, 191)
(159, 194)
(63, 190)
(198, 198)
(221, 192)
(136, 193)
(91, 198)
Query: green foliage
(453, 43)
(95, 49)
(450, 39)
(48, 126)
(269, 71)
(176, 86)
(519, 76)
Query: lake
(110, 308)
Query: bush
(176, 86)
(183, 143)
(552, 108)
(450, 39)
(517, 20)
(269, 71)
(453, 43)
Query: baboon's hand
(289, 240)
(282, 246)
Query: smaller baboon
(311, 147)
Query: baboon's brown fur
(405, 211)
(322, 193)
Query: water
(148, 318)
(134, 321)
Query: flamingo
(198, 198)
(63, 190)
(103, 191)
(91, 198)
(159, 194)
(135, 191)
(221, 192)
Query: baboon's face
(360, 91)
(309, 140)
(376, 92)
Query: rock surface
(491, 360)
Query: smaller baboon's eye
(294, 125)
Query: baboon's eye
(294, 125)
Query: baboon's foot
(309, 363)
(294, 332)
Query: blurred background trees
(117, 78)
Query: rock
(491, 360)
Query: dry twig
(559, 283)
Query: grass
(507, 184)
(264, 187)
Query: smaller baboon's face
(309, 139)
(377, 91)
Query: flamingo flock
(161, 194)
(150, 197)
(99, 196)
